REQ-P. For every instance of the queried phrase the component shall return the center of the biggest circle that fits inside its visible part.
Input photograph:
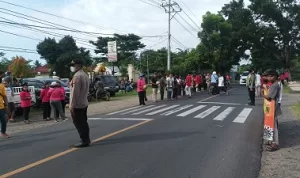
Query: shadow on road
(148, 137)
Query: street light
(54, 73)
(39, 73)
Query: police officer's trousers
(79, 116)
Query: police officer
(79, 103)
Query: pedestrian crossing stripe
(147, 110)
(186, 110)
(207, 112)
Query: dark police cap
(76, 61)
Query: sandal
(5, 135)
(272, 147)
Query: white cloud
(131, 16)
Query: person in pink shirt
(62, 99)
(55, 94)
(25, 102)
(141, 89)
(46, 101)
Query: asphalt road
(201, 137)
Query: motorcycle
(98, 94)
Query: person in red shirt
(287, 76)
(282, 78)
(55, 94)
(46, 101)
(62, 99)
(198, 82)
(25, 102)
(188, 85)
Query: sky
(141, 17)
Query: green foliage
(37, 64)
(127, 46)
(59, 54)
(4, 62)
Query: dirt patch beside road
(286, 161)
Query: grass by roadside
(286, 89)
(133, 93)
(296, 110)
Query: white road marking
(191, 111)
(162, 110)
(224, 114)
(207, 112)
(241, 118)
(121, 119)
(146, 110)
(220, 103)
(123, 110)
(138, 109)
(176, 110)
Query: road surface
(202, 137)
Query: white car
(243, 77)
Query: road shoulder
(284, 162)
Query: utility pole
(169, 8)
(147, 70)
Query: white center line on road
(241, 118)
(191, 111)
(176, 110)
(207, 112)
(224, 114)
(162, 110)
(138, 109)
(220, 103)
(150, 109)
(121, 119)
(123, 110)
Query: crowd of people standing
(177, 86)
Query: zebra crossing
(195, 111)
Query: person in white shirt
(221, 84)
(280, 93)
(170, 86)
(258, 85)
(11, 104)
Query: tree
(4, 62)
(278, 31)
(217, 38)
(59, 55)
(20, 68)
(37, 64)
(127, 46)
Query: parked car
(243, 77)
(39, 83)
(110, 83)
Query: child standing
(274, 94)
(25, 102)
(46, 102)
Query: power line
(19, 51)
(178, 42)
(154, 5)
(20, 35)
(8, 47)
(184, 27)
(187, 23)
(189, 9)
(47, 13)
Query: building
(42, 71)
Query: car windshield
(108, 79)
(62, 83)
(245, 73)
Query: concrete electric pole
(171, 8)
